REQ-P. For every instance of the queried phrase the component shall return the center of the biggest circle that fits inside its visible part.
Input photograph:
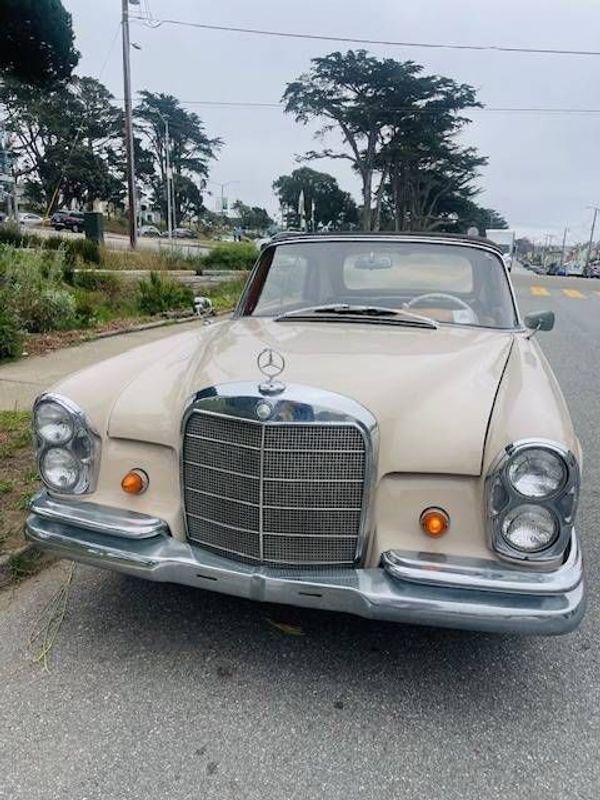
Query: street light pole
(586, 271)
(131, 187)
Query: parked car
(574, 268)
(374, 431)
(149, 230)
(554, 268)
(29, 219)
(594, 269)
(69, 220)
(58, 217)
(184, 233)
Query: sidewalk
(22, 381)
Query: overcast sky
(544, 169)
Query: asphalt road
(159, 691)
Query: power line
(404, 109)
(355, 40)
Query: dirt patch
(36, 344)
(18, 477)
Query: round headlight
(53, 423)
(530, 528)
(60, 469)
(537, 473)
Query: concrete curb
(148, 326)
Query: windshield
(455, 284)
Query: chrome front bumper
(410, 588)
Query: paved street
(159, 691)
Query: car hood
(431, 391)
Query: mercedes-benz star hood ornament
(271, 364)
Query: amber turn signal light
(135, 482)
(434, 521)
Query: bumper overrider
(418, 588)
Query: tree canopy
(252, 218)
(399, 129)
(67, 141)
(190, 151)
(37, 41)
(331, 206)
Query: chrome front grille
(279, 493)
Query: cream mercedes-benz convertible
(375, 430)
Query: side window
(286, 283)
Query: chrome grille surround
(293, 490)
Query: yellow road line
(539, 291)
(574, 293)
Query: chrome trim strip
(221, 497)
(221, 524)
(218, 469)
(97, 518)
(238, 400)
(222, 441)
(370, 593)
(483, 574)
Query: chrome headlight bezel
(84, 444)
(503, 497)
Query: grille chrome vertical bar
(261, 491)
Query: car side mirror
(540, 320)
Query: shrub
(105, 282)
(11, 234)
(86, 249)
(11, 334)
(156, 295)
(89, 307)
(48, 309)
(55, 243)
(231, 255)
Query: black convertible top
(404, 235)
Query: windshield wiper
(392, 316)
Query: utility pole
(169, 177)
(547, 240)
(564, 247)
(586, 271)
(131, 185)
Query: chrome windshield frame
(385, 238)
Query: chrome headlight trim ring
(84, 444)
(502, 496)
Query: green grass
(15, 432)
(19, 476)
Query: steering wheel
(440, 296)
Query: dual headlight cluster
(68, 448)
(532, 494)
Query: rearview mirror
(373, 261)
(540, 320)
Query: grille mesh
(283, 494)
